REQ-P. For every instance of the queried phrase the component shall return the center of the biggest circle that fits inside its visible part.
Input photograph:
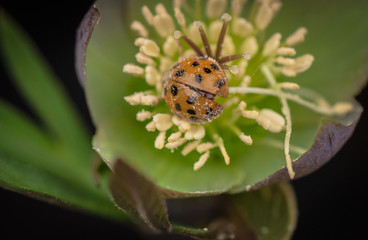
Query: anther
(139, 29)
(143, 115)
(202, 160)
(133, 69)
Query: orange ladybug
(192, 84)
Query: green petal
(120, 135)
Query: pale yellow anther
(175, 144)
(160, 140)
(133, 69)
(289, 85)
(271, 120)
(180, 18)
(141, 98)
(250, 114)
(165, 64)
(139, 41)
(152, 76)
(246, 139)
(272, 44)
(189, 147)
(150, 48)
(196, 132)
(285, 61)
(215, 8)
(286, 51)
(242, 27)
(242, 105)
(228, 47)
(194, 34)
(147, 14)
(143, 115)
(174, 136)
(163, 121)
(151, 126)
(302, 64)
(214, 30)
(164, 24)
(250, 45)
(170, 46)
(342, 108)
(276, 6)
(144, 59)
(182, 125)
(264, 16)
(160, 9)
(139, 29)
(202, 160)
(220, 143)
(237, 6)
(297, 37)
(179, 3)
(203, 147)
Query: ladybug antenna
(220, 42)
(178, 35)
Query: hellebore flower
(284, 116)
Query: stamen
(144, 59)
(147, 14)
(286, 51)
(242, 27)
(152, 76)
(215, 8)
(141, 98)
(271, 120)
(139, 29)
(160, 140)
(163, 22)
(190, 147)
(214, 30)
(143, 115)
(237, 6)
(180, 18)
(341, 108)
(133, 69)
(203, 147)
(220, 143)
(264, 16)
(297, 37)
(285, 61)
(272, 44)
(174, 136)
(206, 45)
(139, 41)
(226, 18)
(286, 111)
(250, 45)
(246, 139)
(151, 126)
(202, 160)
(176, 144)
(289, 85)
(302, 64)
(160, 9)
(163, 121)
(165, 63)
(150, 48)
(178, 34)
(196, 132)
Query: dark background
(332, 201)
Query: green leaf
(51, 162)
(139, 197)
(40, 87)
(119, 134)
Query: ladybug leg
(234, 57)
(206, 44)
(178, 35)
(220, 42)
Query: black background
(332, 201)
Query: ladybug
(192, 84)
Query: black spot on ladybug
(219, 83)
(191, 100)
(174, 90)
(195, 64)
(198, 78)
(191, 111)
(209, 112)
(178, 107)
(207, 70)
(192, 118)
(180, 72)
(214, 67)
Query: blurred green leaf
(53, 161)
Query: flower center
(254, 74)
